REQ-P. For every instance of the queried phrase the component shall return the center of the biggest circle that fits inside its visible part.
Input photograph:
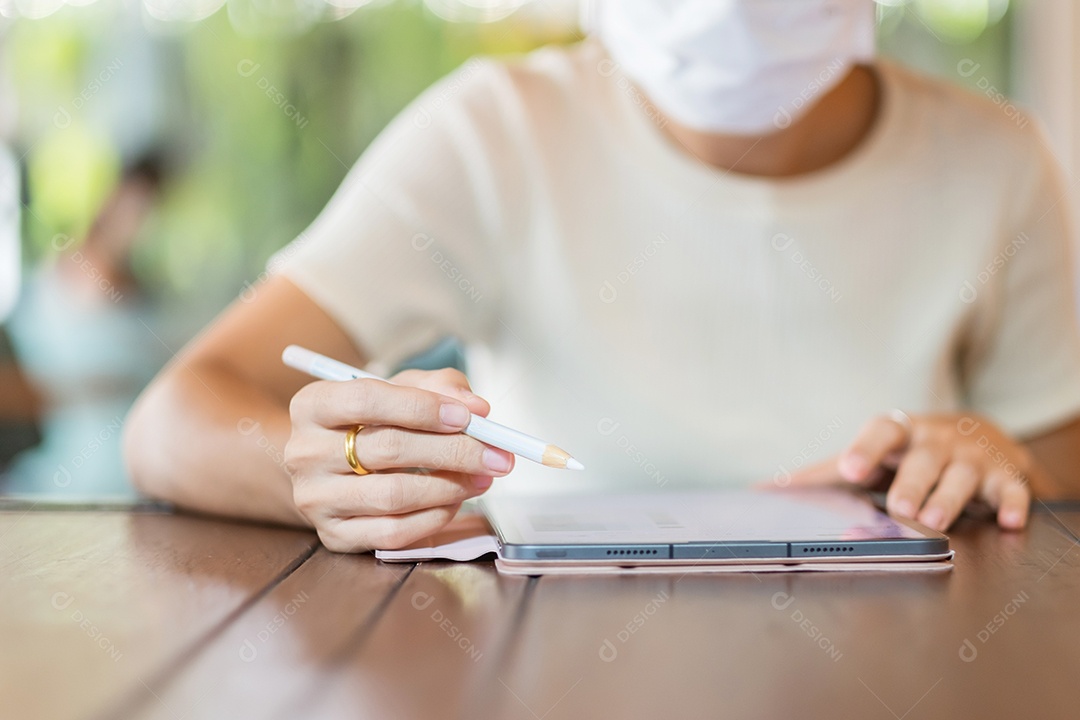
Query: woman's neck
(828, 132)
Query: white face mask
(744, 67)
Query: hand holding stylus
(420, 439)
(417, 465)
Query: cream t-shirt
(671, 324)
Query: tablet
(710, 526)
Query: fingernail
(482, 482)
(454, 415)
(496, 461)
(933, 518)
(903, 508)
(853, 467)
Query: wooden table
(115, 613)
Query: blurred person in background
(20, 406)
(81, 333)
(20, 402)
(716, 243)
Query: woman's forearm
(207, 440)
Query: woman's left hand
(942, 462)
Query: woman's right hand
(421, 466)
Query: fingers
(879, 439)
(375, 402)
(388, 532)
(957, 486)
(389, 448)
(341, 496)
(1011, 496)
(449, 382)
(940, 468)
(824, 473)
(918, 473)
(959, 482)
(413, 422)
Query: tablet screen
(710, 516)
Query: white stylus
(482, 429)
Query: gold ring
(350, 451)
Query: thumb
(476, 404)
(449, 382)
(824, 473)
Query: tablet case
(470, 537)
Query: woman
(713, 244)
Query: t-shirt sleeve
(404, 254)
(1026, 374)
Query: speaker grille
(829, 549)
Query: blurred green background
(161, 162)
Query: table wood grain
(220, 620)
(95, 605)
(436, 652)
(814, 645)
(285, 646)
(1067, 513)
